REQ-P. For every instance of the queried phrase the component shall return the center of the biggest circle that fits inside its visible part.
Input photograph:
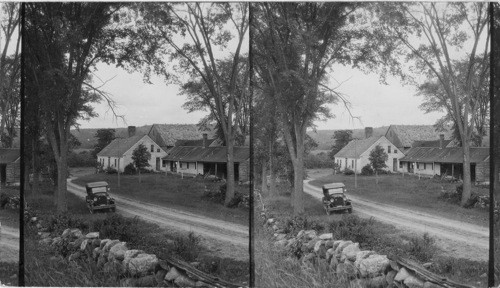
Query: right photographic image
(371, 144)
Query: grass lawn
(172, 191)
(41, 270)
(371, 234)
(8, 273)
(411, 192)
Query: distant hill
(87, 135)
(324, 138)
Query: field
(275, 269)
(410, 192)
(44, 269)
(171, 191)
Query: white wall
(428, 169)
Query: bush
(110, 170)
(348, 171)
(367, 170)
(82, 159)
(130, 169)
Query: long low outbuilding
(199, 160)
(447, 161)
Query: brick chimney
(131, 131)
(441, 141)
(205, 140)
(368, 132)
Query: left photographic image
(136, 144)
(10, 168)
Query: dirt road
(9, 244)
(224, 237)
(455, 238)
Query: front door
(158, 161)
(395, 164)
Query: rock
(376, 282)
(340, 270)
(333, 263)
(129, 254)
(336, 243)
(308, 258)
(96, 243)
(92, 235)
(172, 274)
(110, 244)
(329, 244)
(184, 281)
(280, 236)
(75, 233)
(44, 235)
(341, 246)
(317, 246)
(56, 258)
(389, 277)
(66, 233)
(75, 256)
(301, 233)
(112, 267)
(281, 243)
(201, 284)
(350, 269)
(310, 245)
(118, 251)
(103, 242)
(350, 252)
(428, 284)
(362, 255)
(394, 265)
(275, 227)
(96, 252)
(402, 275)
(413, 282)
(56, 241)
(160, 275)
(84, 244)
(38, 226)
(46, 241)
(357, 283)
(373, 265)
(146, 281)
(78, 242)
(427, 265)
(310, 234)
(329, 254)
(326, 236)
(270, 221)
(141, 264)
(291, 242)
(33, 219)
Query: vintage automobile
(334, 198)
(98, 198)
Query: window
(187, 165)
(425, 166)
(352, 163)
(164, 163)
(152, 148)
(180, 164)
(418, 165)
(115, 163)
(400, 164)
(389, 149)
(158, 150)
(395, 151)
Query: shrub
(130, 169)
(422, 248)
(4, 199)
(110, 170)
(348, 171)
(367, 170)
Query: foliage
(348, 171)
(82, 159)
(320, 160)
(110, 170)
(377, 158)
(341, 139)
(104, 137)
(130, 169)
(367, 170)
(141, 157)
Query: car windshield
(335, 191)
(99, 189)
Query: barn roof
(119, 146)
(196, 142)
(206, 154)
(407, 134)
(354, 148)
(431, 143)
(167, 134)
(445, 155)
(9, 155)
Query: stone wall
(136, 268)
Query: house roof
(119, 146)
(9, 155)
(354, 148)
(445, 155)
(167, 134)
(196, 142)
(206, 154)
(408, 134)
(431, 143)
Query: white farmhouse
(355, 155)
(118, 153)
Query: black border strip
(21, 186)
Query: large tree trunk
(298, 173)
(35, 170)
(62, 176)
(230, 172)
(264, 177)
(466, 192)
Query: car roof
(97, 184)
(333, 185)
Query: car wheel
(349, 210)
